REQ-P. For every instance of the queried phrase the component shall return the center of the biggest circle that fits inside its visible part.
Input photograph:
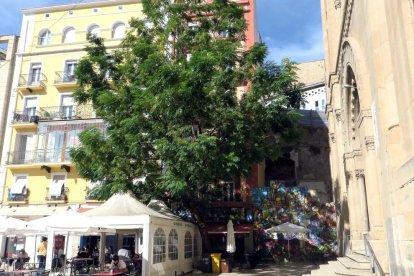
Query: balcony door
(30, 104)
(67, 106)
(57, 186)
(54, 146)
(69, 74)
(23, 148)
(72, 140)
(35, 73)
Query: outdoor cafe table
(79, 263)
(108, 273)
(22, 272)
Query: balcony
(61, 198)
(65, 79)
(21, 117)
(32, 83)
(39, 156)
(18, 198)
(73, 112)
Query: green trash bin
(215, 262)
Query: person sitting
(83, 253)
(22, 254)
(118, 265)
(22, 257)
(123, 254)
(137, 261)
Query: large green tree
(174, 121)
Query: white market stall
(68, 224)
(170, 246)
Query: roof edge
(74, 6)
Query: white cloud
(313, 49)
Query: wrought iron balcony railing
(17, 197)
(62, 197)
(32, 80)
(71, 112)
(65, 77)
(21, 117)
(39, 156)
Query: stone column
(354, 211)
(363, 200)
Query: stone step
(359, 252)
(323, 270)
(339, 269)
(352, 264)
(358, 258)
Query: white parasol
(288, 228)
(231, 243)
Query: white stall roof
(124, 205)
(160, 207)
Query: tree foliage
(174, 120)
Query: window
(158, 251)
(323, 105)
(173, 245)
(72, 140)
(69, 73)
(54, 146)
(224, 34)
(95, 10)
(316, 105)
(66, 106)
(69, 35)
(44, 37)
(94, 30)
(30, 104)
(188, 246)
(57, 186)
(228, 191)
(35, 74)
(118, 31)
(23, 149)
(19, 185)
(14, 244)
(195, 245)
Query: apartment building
(43, 121)
(37, 176)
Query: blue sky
(290, 28)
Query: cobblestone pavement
(279, 269)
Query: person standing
(41, 252)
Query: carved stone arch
(351, 106)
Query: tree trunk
(195, 212)
(205, 239)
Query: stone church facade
(369, 61)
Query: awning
(19, 185)
(56, 189)
(31, 211)
(222, 228)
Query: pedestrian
(118, 265)
(41, 252)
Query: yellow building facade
(43, 123)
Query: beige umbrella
(231, 243)
(9, 224)
(287, 228)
